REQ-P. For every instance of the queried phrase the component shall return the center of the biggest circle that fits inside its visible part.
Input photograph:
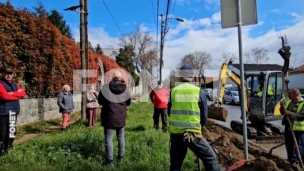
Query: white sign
(229, 11)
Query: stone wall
(41, 109)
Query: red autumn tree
(40, 54)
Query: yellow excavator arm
(226, 73)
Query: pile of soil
(229, 149)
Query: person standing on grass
(159, 98)
(66, 106)
(114, 98)
(92, 105)
(188, 113)
(10, 93)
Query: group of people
(183, 112)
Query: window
(235, 93)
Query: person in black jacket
(114, 98)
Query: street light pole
(163, 32)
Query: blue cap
(186, 71)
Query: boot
(109, 163)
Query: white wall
(296, 81)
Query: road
(234, 113)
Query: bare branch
(257, 56)
(226, 56)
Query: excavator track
(268, 133)
(269, 139)
(237, 127)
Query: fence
(42, 109)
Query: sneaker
(63, 129)
(156, 127)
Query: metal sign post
(232, 16)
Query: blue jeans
(108, 133)
(199, 146)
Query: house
(111, 52)
(296, 77)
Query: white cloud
(206, 34)
(216, 17)
(97, 35)
(276, 10)
(215, 40)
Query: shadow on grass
(136, 128)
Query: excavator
(260, 111)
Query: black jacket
(114, 98)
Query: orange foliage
(40, 54)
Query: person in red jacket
(10, 93)
(159, 97)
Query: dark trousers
(290, 148)
(163, 113)
(300, 140)
(5, 141)
(199, 146)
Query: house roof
(298, 70)
(259, 67)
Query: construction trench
(228, 146)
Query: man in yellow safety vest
(293, 109)
(259, 90)
(188, 112)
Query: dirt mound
(229, 149)
(260, 163)
(226, 151)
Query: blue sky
(201, 30)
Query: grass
(39, 126)
(82, 148)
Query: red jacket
(159, 97)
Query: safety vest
(297, 125)
(260, 92)
(185, 112)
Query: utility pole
(83, 54)
(83, 5)
(161, 45)
(163, 31)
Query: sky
(200, 31)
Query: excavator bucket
(217, 112)
(269, 139)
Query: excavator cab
(265, 90)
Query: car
(231, 97)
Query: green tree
(124, 59)
(40, 10)
(57, 19)
(54, 17)
(98, 49)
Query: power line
(112, 16)
(153, 13)
(172, 13)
